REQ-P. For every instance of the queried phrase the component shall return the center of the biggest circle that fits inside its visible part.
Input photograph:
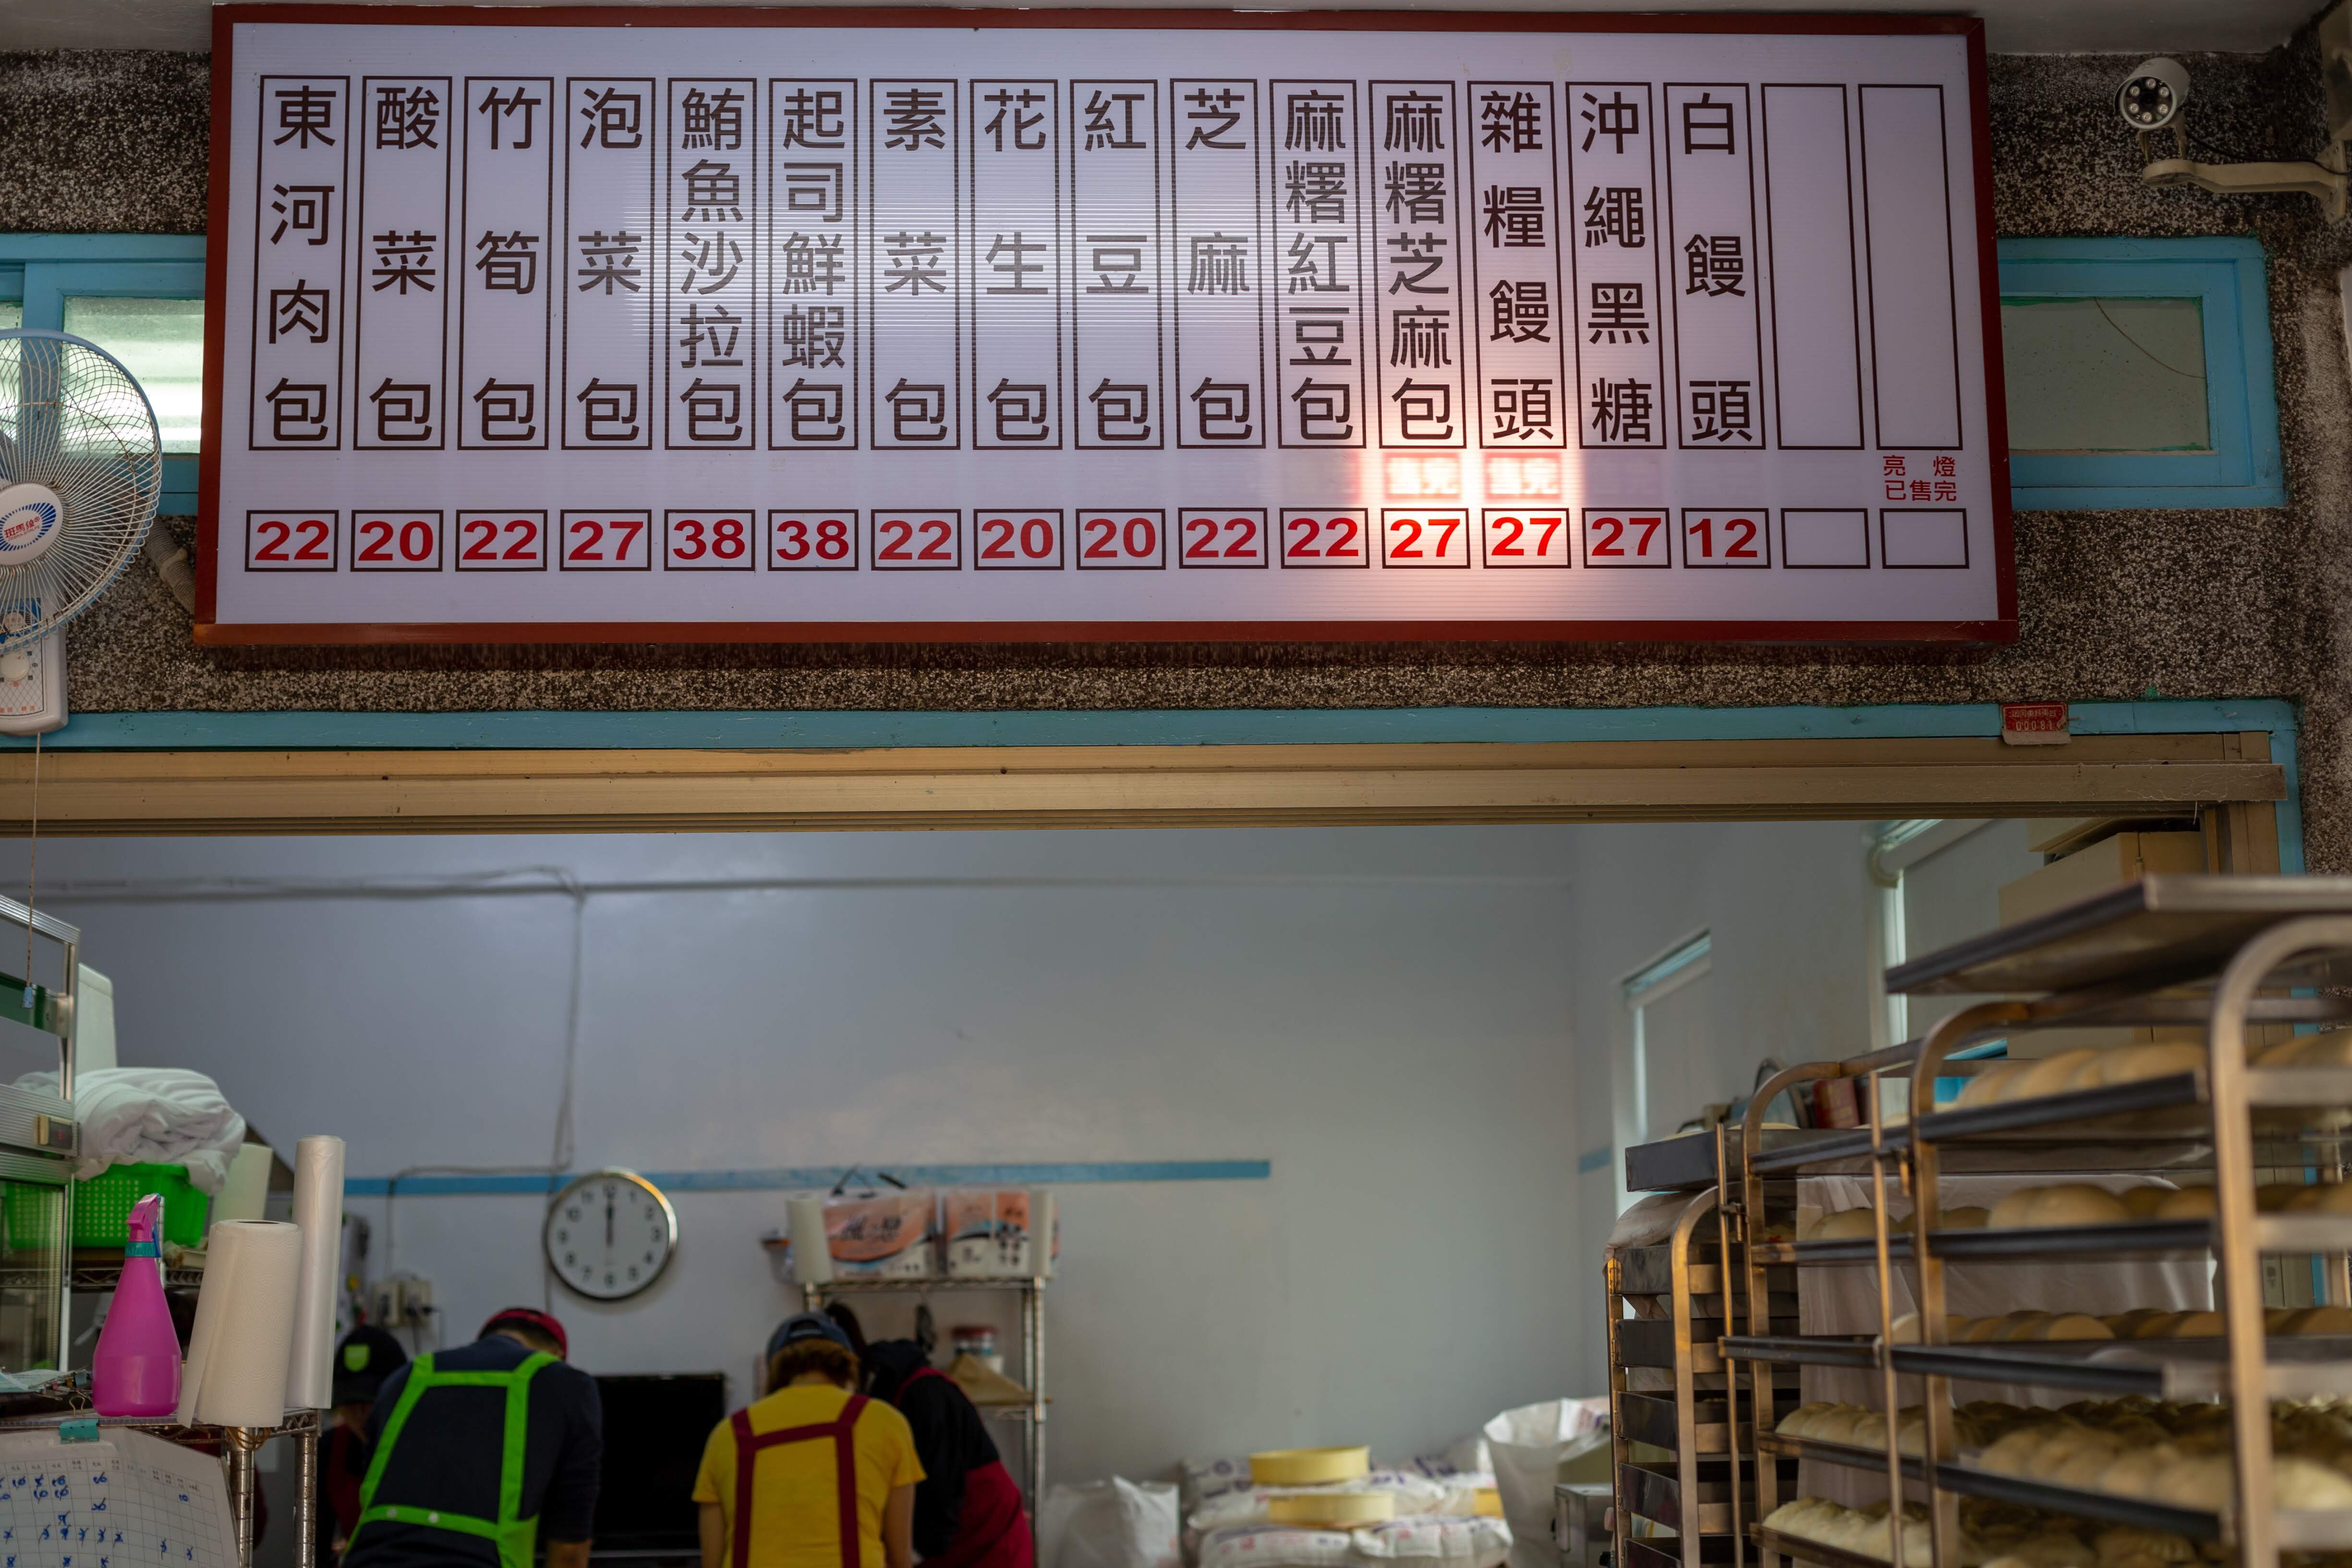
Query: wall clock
(610, 1234)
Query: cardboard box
(2110, 862)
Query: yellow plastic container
(1309, 1467)
(1333, 1509)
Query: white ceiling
(2012, 26)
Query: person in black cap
(816, 1475)
(366, 1356)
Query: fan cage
(74, 419)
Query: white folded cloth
(152, 1115)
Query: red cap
(530, 1317)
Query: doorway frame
(148, 774)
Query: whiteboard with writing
(1305, 326)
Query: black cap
(803, 1326)
(366, 1356)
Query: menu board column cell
(299, 302)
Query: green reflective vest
(514, 1536)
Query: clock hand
(608, 1222)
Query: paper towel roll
(244, 1321)
(1041, 1218)
(812, 1251)
(247, 1195)
(319, 1210)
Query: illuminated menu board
(1435, 327)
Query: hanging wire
(32, 866)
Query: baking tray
(1650, 1272)
(1650, 1418)
(1666, 1552)
(2160, 931)
(1656, 1493)
(1797, 1546)
(2299, 1366)
(2196, 1524)
(1804, 1350)
(1650, 1341)
(1834, 1454)
(1687, 1164)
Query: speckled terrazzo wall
(2113, 604)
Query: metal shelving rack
(2224, 953)
(1031, 1290)
(239, 1445)
(1694, 1498)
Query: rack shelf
(2222, 953)
(1031, 1415)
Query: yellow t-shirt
(796, 1498)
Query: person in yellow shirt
(814, 1475)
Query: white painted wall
(1384, 1014)
(1789, 908)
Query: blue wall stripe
(1592, 1160)
(735, 730)
(795, 1178)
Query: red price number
(1125, 540)
(1413, 536)
(607, 541)
(1726, 539)
(1213, 539)
(706, 542)
(917, 541)
(501, 541)
(1514, 538)
(1324, 540)
(289, 541)
(395, 541)
(1017, 541)
(813, 541)
(1627, 538)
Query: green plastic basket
(101, 1205)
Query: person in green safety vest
(481, 1454)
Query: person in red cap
(481, 1453)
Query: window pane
(161, 342)
(2104, 375)
(11, 314)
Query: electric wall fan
(81, 472)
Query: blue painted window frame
(2226, 276)
(43, 270)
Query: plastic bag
(1108, 1524)
(1434, 1542)
(1527, 1446)
(1275, 1546)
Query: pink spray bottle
(137, 1369)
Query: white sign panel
(996, 327)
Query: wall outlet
(401, 1301)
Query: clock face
(610, 1234)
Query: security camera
(2154, 94)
